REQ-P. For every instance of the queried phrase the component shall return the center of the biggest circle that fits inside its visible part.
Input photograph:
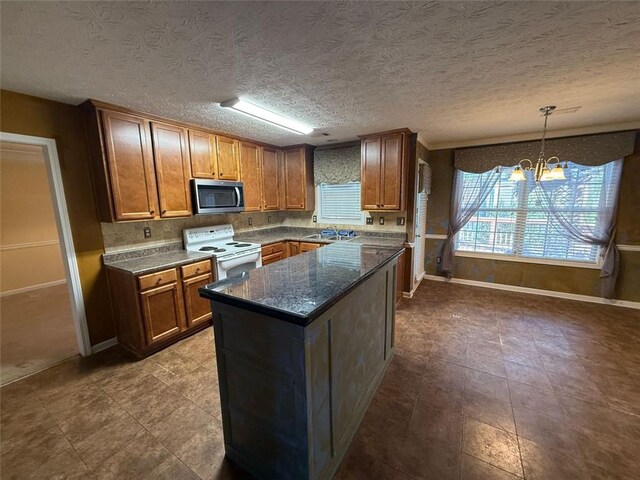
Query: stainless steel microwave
(216, 196)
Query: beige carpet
(36, 331)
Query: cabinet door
(294, 179)
(131, 171)
(228, 161)
(204, 155)
(162, 312)
(172, 169)
(294, 248)
(250, 171)
(391, 181)
(371, 174)
(198, 309)
(270, 179)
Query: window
(340, 204)
(513, 222)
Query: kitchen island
(301, 347)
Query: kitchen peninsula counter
(301, 347)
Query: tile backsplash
(128, 235)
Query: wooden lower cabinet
(273, 252)
(197, 309)
(157, 309)
(274, 257)
(162, 313)
(294, 248)
(308, 246)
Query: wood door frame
(61, 213)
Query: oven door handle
(237, 196)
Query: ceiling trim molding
(618, 127)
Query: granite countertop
(153, 263)
(279, 234)
(300, 288)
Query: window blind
(340, 202)
(513, 221)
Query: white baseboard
(98, 347)
(416, 284)
(537, 291)
(33, 287)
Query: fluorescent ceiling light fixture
(260, 113)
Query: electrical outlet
(269, 219)
(381, 221)
(147, 232)
(315, 219)
(399, 220)
(369, 220)
(250, 221)
(438, 260)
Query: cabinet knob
(382, 205)
(152, 212)
(163, 212)
(221, 173)
(197, 270)
(159, 280)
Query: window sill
(540, 261)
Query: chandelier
(545, 169)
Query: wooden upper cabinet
(371, 173)
(299, 192)
(204, 154)
(228, 161)
(384, 170)
(250, 172)
(129, 162)
(173, 170)
(391, 191)
(270, 179)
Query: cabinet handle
(151, 212)
(163, 212)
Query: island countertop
(300, 288)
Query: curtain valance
(335, 166)
(588, 150)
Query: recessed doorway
(41, 308)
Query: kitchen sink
(332, 237)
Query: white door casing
(70, 263)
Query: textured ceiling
(453, 71)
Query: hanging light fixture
(544, 169)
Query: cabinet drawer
(156, 279)
(308, 246)
(274, 257)
(273, 248)
(198, 268)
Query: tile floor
(484, 385)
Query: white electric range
(230, 256)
